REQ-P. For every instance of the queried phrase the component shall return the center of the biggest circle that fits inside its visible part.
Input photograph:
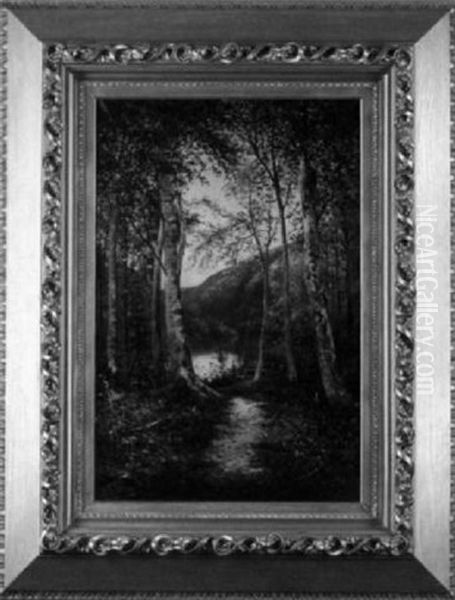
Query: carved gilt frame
(390, 525)
(391, 70)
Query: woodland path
(233, 449)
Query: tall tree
(334, 388)
(327, 147)
(258, 218)
(261, 129)
(155, 302)
(111, 252)
(124, 228)
(246, 230)
(179, 364)
(169, 144)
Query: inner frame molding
(371, 510)
(395, 65)
(90, 515)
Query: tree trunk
(352, 266)
(264, 320)
(178, 363)
(111, 251)
(332, 384)
(123, 356)
(156, 333)
(290, 362)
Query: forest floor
(264, 442)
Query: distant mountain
(224, 313)
(225, 310)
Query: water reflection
(208, 365)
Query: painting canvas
(228, 305)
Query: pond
(208, 365)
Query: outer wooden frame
(431, 181)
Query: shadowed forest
(228, 300)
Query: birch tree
(328, 185)
(247, 230)
(259, 219)
(259, 126)
(334, 389)
(166, 145)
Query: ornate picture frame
(64, 64)
(388, 525)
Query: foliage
(150, 444)
(311, 448)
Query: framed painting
(228, 285)
(196, 349)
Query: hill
(224, 311)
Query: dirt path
(233, 449)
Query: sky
(193, 273)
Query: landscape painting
(228, 308)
